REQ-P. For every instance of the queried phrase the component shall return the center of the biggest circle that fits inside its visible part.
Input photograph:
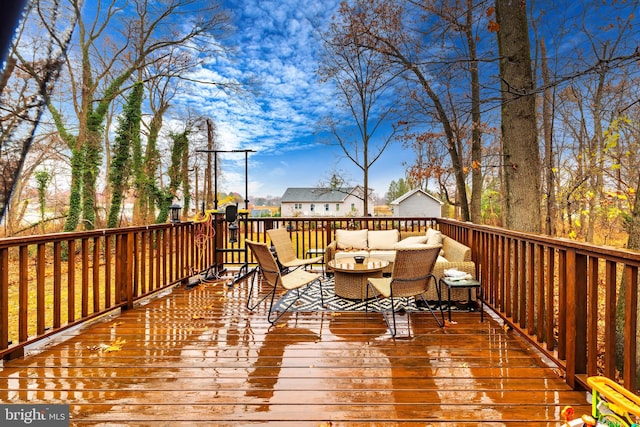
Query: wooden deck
(196, 357)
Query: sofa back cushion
(351, 239)
(382, 239)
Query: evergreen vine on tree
(179, 160)
(127, 137)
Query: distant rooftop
(314, 194)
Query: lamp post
(233, 232)
(174, 211)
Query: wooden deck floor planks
(197, 357)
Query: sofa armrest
(455, 251)
(330, 252)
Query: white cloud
(277, 49)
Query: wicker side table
(351, 278)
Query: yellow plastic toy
(612, 406)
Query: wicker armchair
(412, 277)
(268, 268)
(285, 251)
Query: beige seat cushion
(350, 254)
(389, 255)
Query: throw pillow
(434, 237)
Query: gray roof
(318, 195)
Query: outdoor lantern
(233, 232)
(175, 212)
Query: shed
(416, 203)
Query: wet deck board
(198, 357)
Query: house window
(297, 206)
(337, 207)
(353, 206)
(326, 207)
(313, 207)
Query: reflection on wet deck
(198, 357)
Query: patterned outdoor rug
(310, 301)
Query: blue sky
(278, 46)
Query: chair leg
(439, 322)
(366, 300)
(254, 280)
(385, 316)
(273, 295)
(393, 314)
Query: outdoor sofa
(382, 244)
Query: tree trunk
(549, 158)
(521, 158)
(633, 242)
(476, 133)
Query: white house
(324, 202)
(417, 203)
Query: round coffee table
(351, 278)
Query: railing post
(4, 298)
(125, 259)
(630, 325)
(576, 315)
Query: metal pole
(246, 181)
(215, 180)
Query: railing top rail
(591, 249)
(59, 237)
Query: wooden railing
(53, 282)
(559, 294)
(306, 233)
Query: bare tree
(148, 31)
(363, 79)
(418, 39)
(27, 79)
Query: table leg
(449, 301)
